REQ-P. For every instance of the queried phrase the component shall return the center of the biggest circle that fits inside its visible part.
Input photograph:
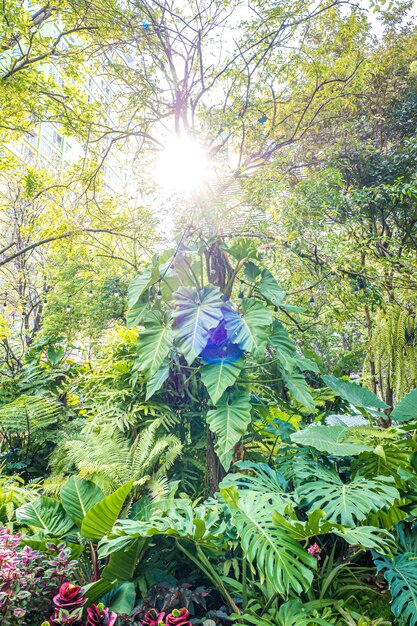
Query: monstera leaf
(101, 517)
(217, 377)
(155, 342)
(262, 480)
(138, 286)
(346, 503)
(330, 439)
(48, 515)
(400, 572)
(279, 558)
(229, 421)
(406, 409)
(367, 537)
(195, 314)
(355, 394)
(250, 329)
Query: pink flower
(315, 550)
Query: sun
(183, 166)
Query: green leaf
(346, 503)
(406, 409)
(249, 329)
(195, 314)
(252, 271)
(48, 515)
(138, 286)
(121, 599)
(122, 564)
(355, 394)
(269, 289)
(330, 439)
(262, 480)
(229, 421)
(101, 517)
(299, 389)
(400, 572)
(135, 315)
(155, 342)
(157, 380)
(367, 537)
(285, 350)
(217, 377)
(78, 496)
(279, 558)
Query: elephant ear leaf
(78, 496)
(196, 313)
(101, 517)
(138, 286)
(47, 514)
(249, 329)
(217, 377)
(229, 421)
(155, 342)
(355, 394)
(400, 572)
(406, 409)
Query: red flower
(178, 617)
(153, 618)
(100, 616)
(69, 597)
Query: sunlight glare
(183, 166)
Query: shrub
(29, 579)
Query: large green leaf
(353, 393)
(121, 599)
(249, 329)
(155, 342)
(400, 573)
(48, 515)
(101, 517)
(195, 314)
(78, 496)
(346, 503)
(138, 286)
(299, 389)
(284, 346)
(229, 421)
(217, 377)
(406, 409)
(330, 439)
(262, 480)
(122, 564)
(135, 315)
(269, 289)
(157, 380)
(367, 537)
(279, 558)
